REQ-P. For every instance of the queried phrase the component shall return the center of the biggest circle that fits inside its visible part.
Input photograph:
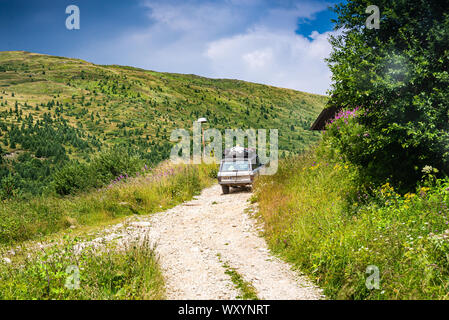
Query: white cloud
(247, 40)
(258, 58)
(278, 58)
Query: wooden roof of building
(325, 116)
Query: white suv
(238, 168)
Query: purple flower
(345, 114)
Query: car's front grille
(238, 179)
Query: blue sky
(280, 42)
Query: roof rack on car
(239, 152)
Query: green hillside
(53, 109)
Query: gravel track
(190, 237)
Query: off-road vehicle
(238, 168)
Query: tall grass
(107, 273)
(147, 192)
(318, 217)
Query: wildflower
(428, 169)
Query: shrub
(110, 164)
(8, 188)
(75, 176)
(213, 173)
(72, 177)
(398, 75)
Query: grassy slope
(150, 191)
(117, 273)
(100, 99)
(318, 218)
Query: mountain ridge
(161, 72)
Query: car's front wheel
(225, 189)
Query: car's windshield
(235, 166)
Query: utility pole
(201, 121)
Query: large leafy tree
(399, 75)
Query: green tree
(398, 75)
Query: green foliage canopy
(399, 75)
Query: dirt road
(191, 237)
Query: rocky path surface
(191, 237)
